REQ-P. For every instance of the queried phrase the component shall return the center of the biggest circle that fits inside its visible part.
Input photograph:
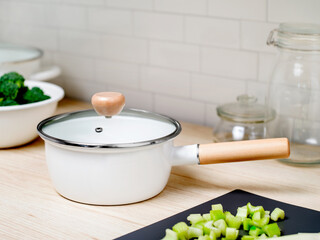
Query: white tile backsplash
(166, 81)
(239, 9)
(111, 21)
(135, 98)
(182, 6)
(255, 34)
(29, 13)
(80, 43)
(182, 109)
(68, 63)
(117, 73)
(177, 57)
(294, 11)
(158, 26)
(266, 66)
(213, 89)
(216, 32)
(41, 37)
(125, 49)
(131, 4)
(229, 63)
(66, 16)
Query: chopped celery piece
(255, 231)
(247, 237)
(242, 212)
(233, 221)
(216, 215)
(213, 235)
(170, 235)
(256, 216)
(181, 229)
(199, 225)
(217, 207)
(222, 225)
(206, 217)
(194, 218)
(253, 209)
(208, 228)
(194, 232)
(272, 230)
(247, 223)
(261, 222)
(206, 237)
(262, 236)
(276, 214)
(231, 233)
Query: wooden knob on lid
(108, 103)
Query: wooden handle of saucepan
(238, 151)
(108, 103)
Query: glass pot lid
(296, 36)
(245, 110)
(130, 128)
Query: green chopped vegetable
(217, 214)
(34, 94)
(276, 214)
(247, 237)
(181, 229)
(194, 232)
(206, 217)
(247, 223)
(208, 228)
(242, 212)
(206, 237)
(272, 230)
(233, 221)
(194, 218)
(14, 92)
(255, 231)
(223, 225)
(217, 207)
(231, 233)
(170, 235)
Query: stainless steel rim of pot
(110, 146)
(38, 50)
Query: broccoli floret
(9, 90)
(14, 92)
(8, 102)
(10, 84)
(34, 94)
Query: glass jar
(242, 120)
(294, 90)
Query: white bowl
(18, 124)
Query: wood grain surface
(30, 208)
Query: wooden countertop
(30, 208)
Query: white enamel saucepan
(97, 159)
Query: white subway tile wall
(181, 58)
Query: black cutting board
(298, 219)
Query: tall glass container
(294, 90)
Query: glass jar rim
(296, 36)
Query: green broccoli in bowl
(14, 92)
